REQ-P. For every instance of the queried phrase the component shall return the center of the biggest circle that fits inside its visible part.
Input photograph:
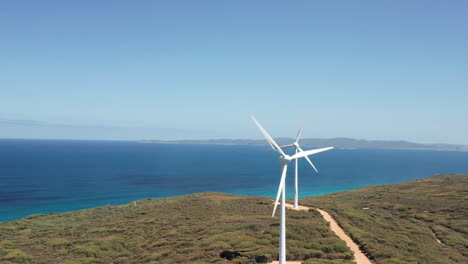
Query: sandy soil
(359, 256)
(288, 262)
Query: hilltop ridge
(420, 221)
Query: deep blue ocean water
(43, 176)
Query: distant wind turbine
(284, 160)
(296, 174)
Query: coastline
(354, 226)
(213, 142)
(34, 215)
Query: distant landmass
(349, 143)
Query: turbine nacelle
(285, 159)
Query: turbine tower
(284, 160)
(296, 171)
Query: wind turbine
(296, 171)
(284, 160)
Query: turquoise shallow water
(43, 176)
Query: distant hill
(419, 221)
(317, 142)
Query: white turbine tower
(296, 171)
(284, 160)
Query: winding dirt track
(359, 256)
(288, 262)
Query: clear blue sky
(197, 69)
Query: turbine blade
(298, 135)
(309, 152)
(280, 187)
(264, 133)
(271, 145)
(268, 137)
(310, 162)
(287, 146)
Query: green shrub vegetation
(401, 223)
(420, 221)
(195, 228)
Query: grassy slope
(186, 229)
(398, 227)
(400, 223)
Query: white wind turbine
(296, 171)
(284, 160)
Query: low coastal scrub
(420, 221)
(198, 228)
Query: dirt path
(287, 262)
(359, 256)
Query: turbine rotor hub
(285, 159)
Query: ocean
(44, 176)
